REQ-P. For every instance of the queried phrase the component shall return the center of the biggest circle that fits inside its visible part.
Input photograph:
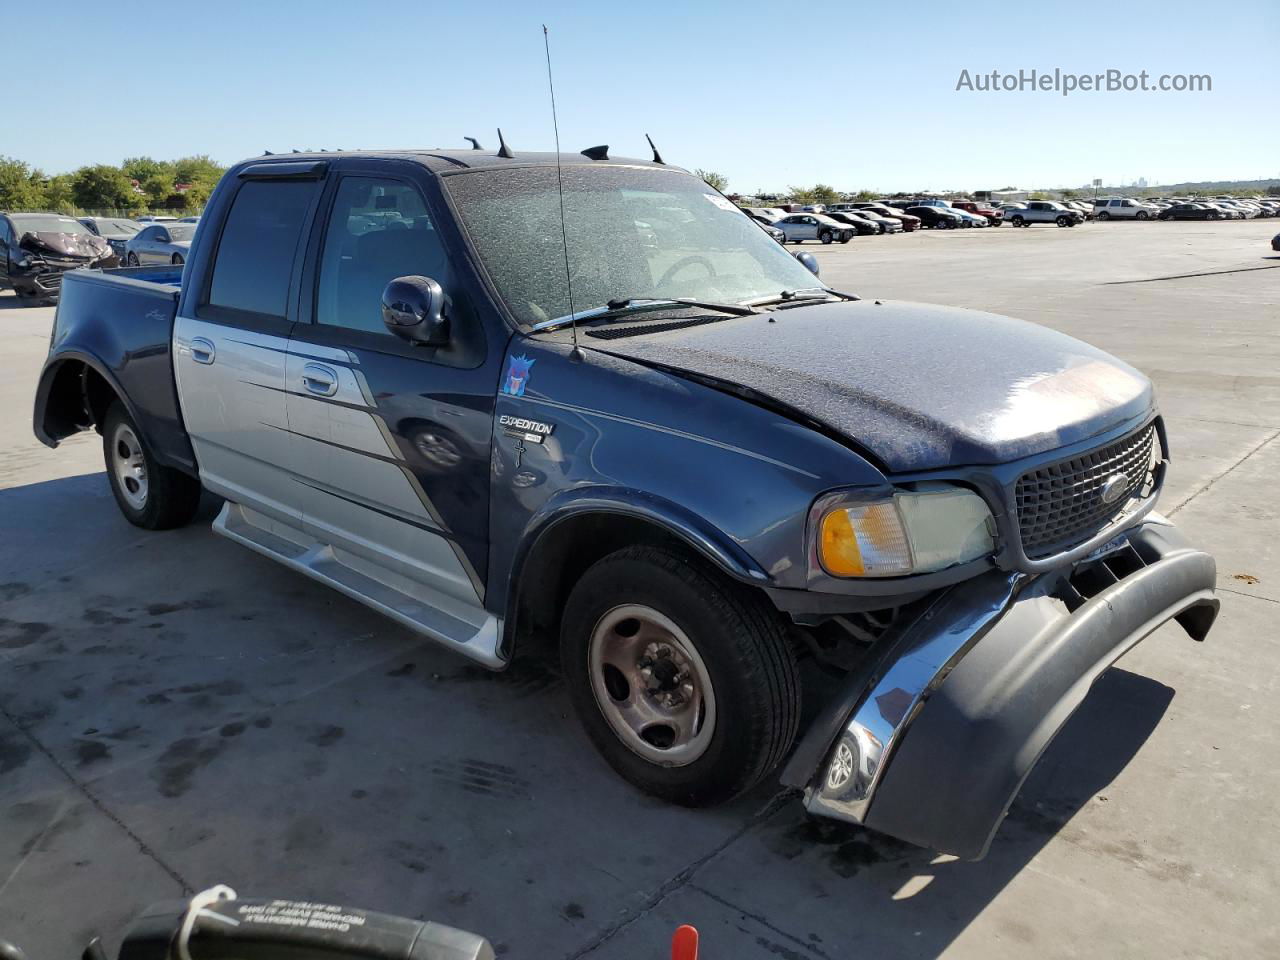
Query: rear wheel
(846, 237)
(150, 495)
(684, 680)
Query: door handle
(319, 380)
(202, 350)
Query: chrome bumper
(933, 738)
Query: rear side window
(254, 263)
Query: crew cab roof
(445, 161)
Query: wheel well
(78, 399)
(560, 557)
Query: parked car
(155, 218)
(968, 219)
(993, 216)
(864, 227)
(950, 508)
(768, 228)
(936, 218)
(1227, 210)
(908, 222)
(115, 230)
(1190, 211)
(885, 224)
(1043, 211)
(1122, 208)
(36, 249)
(189, 220)
(800, 227)
(160, 243)
(768, 214)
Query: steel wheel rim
(651, 685)
(129, 466)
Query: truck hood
(918, 386)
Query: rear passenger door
(230, 349)
(391, 439)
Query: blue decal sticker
(517, 377)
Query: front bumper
(935, 734)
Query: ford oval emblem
(1114, 487)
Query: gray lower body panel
(933, 741)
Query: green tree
(716, 180)
(818, 193)
(21, 187)
(103, 187)
(59, 196)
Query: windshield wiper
(803, 295)
(624, 306)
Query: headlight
(909, 532)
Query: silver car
(800, 227)
(160, 243)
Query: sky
(858, 95)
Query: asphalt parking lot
(176, 711)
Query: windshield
(23, 225)
(118, 226)
(631, 232)
(181, 231)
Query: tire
(1142, 215)
(751, 694)
(825, 236)
(149, 495)
(177, 260)
(1018, 221)
(1063, 222)
(845, 238)
(1104, 216)
(1213, 216)
(131, 260)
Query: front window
(38, 225)
(631, 232)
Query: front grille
(1060, 506)
(49, 281)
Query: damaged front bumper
(933, 737)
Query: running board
(479, 642)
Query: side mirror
(809, 260)
(413, 308)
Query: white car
(1123, 208)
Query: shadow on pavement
(897, 900)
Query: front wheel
(177, 260)
(825, 236)
(1104, 215)
(1142, 215)
(150, 495)
(684, 681)
(1063, 222)
(132, 259)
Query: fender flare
(692, 530)
(49, 374)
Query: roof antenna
(503, 150)
(475, 144)
(657, 157)
(597, 153)
(555, 125)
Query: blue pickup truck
(502, 397)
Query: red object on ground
(684, 945)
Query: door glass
(378, 230)
(254, 263)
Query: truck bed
(116, 324)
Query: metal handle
(202, 350)
(318, 379)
